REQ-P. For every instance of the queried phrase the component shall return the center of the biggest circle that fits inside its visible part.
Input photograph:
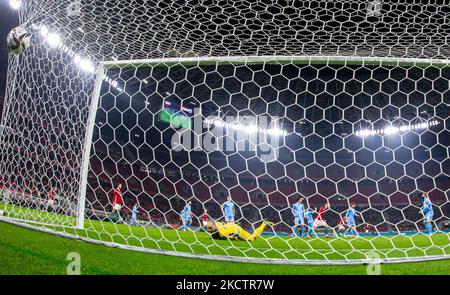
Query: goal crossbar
(301, 59)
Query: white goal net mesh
(186, 104)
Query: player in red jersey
(367, 228)
(117, 202)
(205, 217)
(51, 196)
(320, 219)
(341, 226)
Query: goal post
(88, 146)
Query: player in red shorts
(320, 220)
(117, 202)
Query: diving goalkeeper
(232, 231)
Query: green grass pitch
(24, 251)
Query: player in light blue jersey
(228, 210)
(134, 215)
(186, 216)
(350, 216)
(309, 215)
(428, 213)
(298, 210)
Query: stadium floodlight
(223, 62)
(76, 59)
(390, 130)
(246, 128)
(363, 133)
(65, 49)
(394, 130)
(15, 4)
(43, 30)
(404, 128)
(86, 65)
(53, 40)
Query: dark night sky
(8, 20)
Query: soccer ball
(18, 40)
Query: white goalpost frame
(269, 59)
(100, 72)
(87, 146)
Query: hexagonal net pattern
(219, 119)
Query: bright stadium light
(53, 40)
(86, 65)
(390, 130)
(77, 59)
(404, 128)
(249, 129)
(394, 130)
(15, 4)
(362, 133)
(43, 31)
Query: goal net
(259, 131)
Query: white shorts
(50, 202)
(205, 223)
(320, 223)
(117, 207)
